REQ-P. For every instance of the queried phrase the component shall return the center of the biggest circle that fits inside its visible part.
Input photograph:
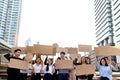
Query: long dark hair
(87, 58)
(47, 67)
(106, 64)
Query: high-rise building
(116, 20)
(116, 23)
(3, 17)
(103, 22)
(10, 18)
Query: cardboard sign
(21, 48)
(72, 50)
(74, 56)
(107, 51)
(85, 69)
(29, 56)
(64, 64)
(30, 49)
(19, 64)
(44, 50)
(84, 48)
(60, 49)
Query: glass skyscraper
(9, 20)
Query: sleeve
(45, 62)
(114, 68)
(7, 56)
(97, 66)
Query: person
(55, 75)
(48, 70)
(105, 69)
(114, 68)
(90, 76)
(83, 62)
(112, 63)
(13, 73)
(37, 68)
(72, 71)
(23, 73)
(63, 74)
(46, 60)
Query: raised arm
(7, 56)
(45, 62)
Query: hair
(37, 58)
(81, 60)
(17, 50)
(62, 53)
(47, 67)
(106, 64)
(58, 58)
(106, 57)
(75, 60)
(86, 61)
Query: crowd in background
(38, 66)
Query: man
(13, 73)
(63, 74)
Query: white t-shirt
(51, 68)
(23, 71)
(37, 68)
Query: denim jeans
(64, 76)
(104, 78)
(47, 76)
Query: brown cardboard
(107, 51)
(19, 64)
(64, 64)
(74, 56)
(85, 48)
(14, 48)
(72, 50)
(44, 49)
(85, 69)
(60, 49)
(29, 49)
(29, 57)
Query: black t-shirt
(12, 71)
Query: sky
(65, 22)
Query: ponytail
(47, 67)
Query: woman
(82, 62)
(37, 67)
(48, 70)
(104, 69)
(90, 76)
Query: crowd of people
(51, 73)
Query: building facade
(3, 17)
(116, 23)
(103, 22)
(10, 18)
(116, 20)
